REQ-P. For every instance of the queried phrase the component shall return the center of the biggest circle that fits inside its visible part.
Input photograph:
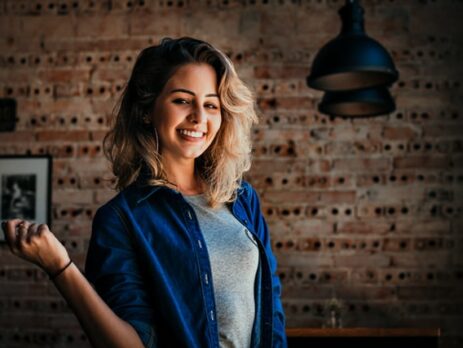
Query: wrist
(54, 263)
(55, 274)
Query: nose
(198, 115)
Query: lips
(191, 133)
(191, 136)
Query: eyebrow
(190, 92)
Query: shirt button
(212, 315)
(200, 244)
(189, 215)
(206, 279)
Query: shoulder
(129, 197)
(247, 194)
(112, 221)
(120, 201)
(245, 189)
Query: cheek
(164, 121)
(217, 123)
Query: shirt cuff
(146, 333)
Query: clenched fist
(36, 244)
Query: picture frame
(25, 188)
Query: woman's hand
(36, 244)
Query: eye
(211, 106)
(180, 101)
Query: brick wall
(365, 214)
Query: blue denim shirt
(148, 260)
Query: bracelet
(53, 276)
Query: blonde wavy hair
(132, 146)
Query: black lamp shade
(352, 60)
(358, 103)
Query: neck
(182, 174)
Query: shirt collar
(140, 190)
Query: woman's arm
(38, 245)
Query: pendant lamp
(372, 101)
(352, 60)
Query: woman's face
(187, 113)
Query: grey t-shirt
(234, 258)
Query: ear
(146, 120)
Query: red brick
(442, 131)
(65, 75)
(363, 227)
(112, 74)
(68, 196)
(284, 103)
(394, 133)
(77, 135)
(280, 72)
(425, 260)
(164, 23)
(67, 90)
(281, 165)
(366, 276)
(425, 162)
(9, 289)
(358, 260)
(361, 164)
(51, 26)
(423, 227)
(337, 197)
(290, 196)
(417, 292)
(103, 26)
(366, 292)
(17, 136)
(102, 196)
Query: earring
(157, 140)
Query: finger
(21, 230)
(41, 229)
(21, 235)
(10, 230)
(31, 231)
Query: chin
(192, 155)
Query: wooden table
(363, 337)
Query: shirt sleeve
(279, 333)
(146, 333)
(112, 268)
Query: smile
(192, 134)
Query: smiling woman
(190, 81)
(187, 117)
(181, 256)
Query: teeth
(191, 133)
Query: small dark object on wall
(7, 114)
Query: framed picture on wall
(25, 189)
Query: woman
(181, 257)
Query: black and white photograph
(19, 196)
(25, 188)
